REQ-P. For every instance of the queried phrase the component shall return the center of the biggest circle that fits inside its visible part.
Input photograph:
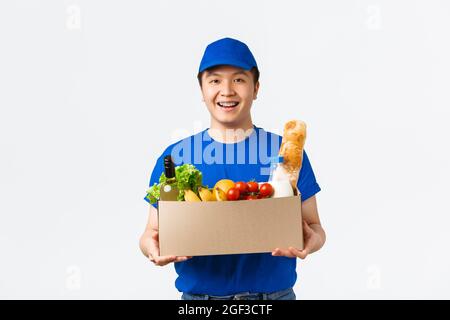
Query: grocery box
(229, 227)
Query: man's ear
(255, 92)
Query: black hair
(254, 71)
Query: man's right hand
(153, 252)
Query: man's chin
(227, 120)
(228, 115)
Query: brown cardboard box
(229, 227)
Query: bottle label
(167, 188)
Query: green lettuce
(188, 177)
(153, 193)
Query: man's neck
(230, 133)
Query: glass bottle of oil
(169, 190)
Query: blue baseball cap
(227, 51)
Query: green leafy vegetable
(153, 193)
(188, 177)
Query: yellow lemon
(224, 185)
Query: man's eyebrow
(240, 72)
(210, 74)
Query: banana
(205, 194)
(220, 194)
(190, 195)
(213, 195)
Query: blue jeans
(287, 294)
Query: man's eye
(239, 80)
(214, 81)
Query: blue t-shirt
(243, 161)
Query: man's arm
(310, 215)
(151, 228)
(149, 242)
(313, 233)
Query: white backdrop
(92, 91)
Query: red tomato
(266, 190)
(241, 186)
(252, 186)
(233, 194)
(251, 197)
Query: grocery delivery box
(229, 227)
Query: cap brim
(225, 62)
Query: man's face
(228, 93)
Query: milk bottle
(279, 178)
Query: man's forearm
(318, 228)
(144, 243)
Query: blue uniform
(249, 159)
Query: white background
(92, 91)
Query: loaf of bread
(291, 148)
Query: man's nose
(227, 89)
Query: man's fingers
(181, 259)
(281, 252)
(153, 254)
(291, 252)
(276, 252)
(299, 253)
(162, 261)
(154, 247)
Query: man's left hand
(312, 240)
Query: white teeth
(228, 104)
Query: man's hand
(149, 242)
(313, 241)
(153, 252)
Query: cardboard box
(229, 227)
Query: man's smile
(227, 104)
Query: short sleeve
(154, 178)
(307, 183)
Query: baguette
(291, 148)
